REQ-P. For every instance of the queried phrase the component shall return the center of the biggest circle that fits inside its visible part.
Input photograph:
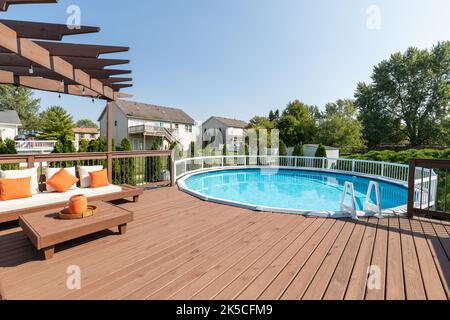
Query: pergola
(32, 55)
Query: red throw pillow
(99, 179)
(13, 189)
(62, 181)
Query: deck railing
(135, 168)
(429, 195)
(35, 146)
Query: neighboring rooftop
(86, 130)
(10, 117)
(154, 112)
(232, 123)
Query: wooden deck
(181, 248)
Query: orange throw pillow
(62, 181)
(99, 179)
(13, 189)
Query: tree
(413, 89)
(258, 122)
(86, 123)
(83, 145)
(191, 151)
(22, 101)
(125, 145)
(125, 169)
(274, 115)
(283, 149)
(321, 152)
(154, 165)
(299, 151)
(224, 150)
(7, 147)
(379, 127)
(64, 145)
(56, 123)
(297, 124)
(340, 127)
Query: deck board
(179, 247)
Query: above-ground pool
(289, 190)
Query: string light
(31, 70)
(84, 91)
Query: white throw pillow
(50, 172)
(18, 174)
(85, 178)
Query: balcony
(38, 147)
(153, 131)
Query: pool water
(291, 189)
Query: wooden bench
(128, 191)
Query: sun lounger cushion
(17, 174)
(46, 198)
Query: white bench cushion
(45, 198)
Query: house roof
(232, 123)
(10, 117)
(153, 112)
(86, 130)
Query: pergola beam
(45, 84)
(4, 4)
(41, 56)
(79, 50)
(45, 31)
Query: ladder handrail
(368, 206)
(353, 209)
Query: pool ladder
(368, 206)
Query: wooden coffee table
(45, 229)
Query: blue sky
(240, 58)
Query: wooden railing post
(30, 162)
(109, 138)
(411, 187)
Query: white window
(188, 128)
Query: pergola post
(109, 138)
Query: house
(219, 131)
(144, 124)
(86, 134)
(9, 124)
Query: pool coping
(397, 211)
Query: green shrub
(283, 149)
(299, 151)
(321, 152)
(402, 157)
